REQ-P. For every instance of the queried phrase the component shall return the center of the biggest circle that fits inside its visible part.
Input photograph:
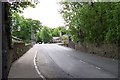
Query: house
(56, 39)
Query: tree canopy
(44, 35)
(23, 27)
(94, 23)
(56, 32)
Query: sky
(47, 12)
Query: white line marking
(90, 65)
(113, 59)
(97, 67)
(41, 76)
(82, 61)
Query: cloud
(47, 12)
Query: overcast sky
(47, 12)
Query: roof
(15, 39)
(56, 38)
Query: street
(55, 61)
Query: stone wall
(71, 44)
(106, 50)
(17, 51)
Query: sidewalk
(24, 66)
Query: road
(55, 61)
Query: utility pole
(60, 35)
(6, 38)
(0, 40)
(32, 35)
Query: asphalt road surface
(55, 61)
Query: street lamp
(32, 34)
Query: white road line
(82, 61)
(41, 76)
(97, 67)
(90, 65)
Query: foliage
(38, 37)
(9, 9)
(45, 34)
(19, 6)
(56, 32)
(62, 29)
(23, 27)
(95, 22)
(65, 39)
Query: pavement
(24, 66)
(55, 61)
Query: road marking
(41, 76)
(113, 59)
(90, 65)
(97, 67)
(82, 61)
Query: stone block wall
(16, 52)
(106, 50)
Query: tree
(23, 27)
(46, 34)
(94, 23)
(38, 37)
(9, 9)
(19, 6)
(62, 29)
(56, 32)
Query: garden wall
(106, 50)
(17, 51)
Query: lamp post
(32, 34)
